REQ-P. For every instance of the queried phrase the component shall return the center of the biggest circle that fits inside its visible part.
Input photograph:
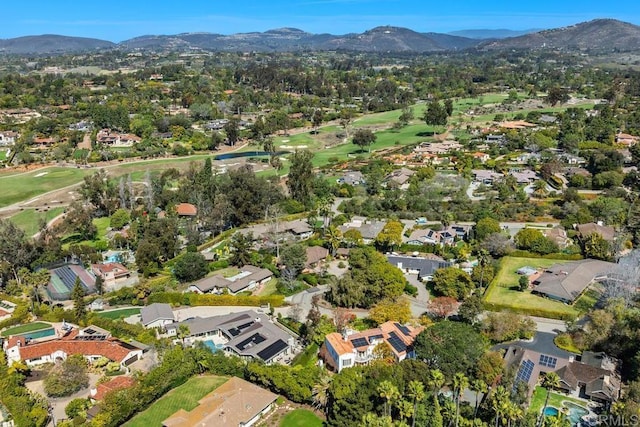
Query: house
(423, 267)
(401, 177)
(566, 282)
(486, 177)
(110, 272)
(118, 383)
(516, 124)
(116, 139)
(8, 138)
(249, 278)
(424, 237)
(298, 229)
(481, 157)
(247, 334)
(458, 231)
(91, 342)
(608, 233)
(352, 178)
(557, 235)
(524, 177)
(62, 280)
(156, 315)
(495, 139)
(594, 377)
(572, 159)
(315, 255)
(369, 229)
(341, 351)
(186, 209)
(531, 362)
(435, 148)
(626, 139)
(236, 403)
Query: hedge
(558, 256)
(194, 299)
(550, 314)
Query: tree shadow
(426, 133)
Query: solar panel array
(272, 350)
(525, 371)
(548, 361)
(396, 342)
(359, 342)
(403, 329)
(253, 339)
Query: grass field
(29, 219)
(269, 289)
(184, 397)
(19, 187)
(119, 314)
(503, 292)
(22, 329)
(3, 155)
(301, 418)
(101, 224)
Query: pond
(248, 154)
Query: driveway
(420, 303)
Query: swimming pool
(576, 412)
(550, 411)
(213, 346)
(39, 334)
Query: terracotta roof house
(626, 139)
(91, 342)
(566, 282)
(110, 272)
(118, 383)
(186, 209)
(607, 232)
(344, 351)
(247, 334)
(156, 315)
(315, 254)
(249, 278)
(236, 403)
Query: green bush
(311, 279)
(194, 299)
(410, 289)
(537, 312)
(218, 265)
(68, 378)
(558, 256)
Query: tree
(77, 295)
(478, 386)
(390, 236)
(498, 244)
(550, 381)
(99, 285)
(485, 227)
(460, 383)
(190, 267)
(595, 246)
(505, 326)
(333, 237)
(353, 237)
(389, 392)
(232, 130)
(489, 367)
(67, 378)
(442, 307)
(452, 282)
(397, 310)
(406, 116)
(119, 219)
(416, 392)
(300, 179)
(449, 346)
(364, 138)
(556, 95)
(523, 283)
(470, 309)
(316, 119)
(76, 407)
(240, 246)
(435, 114)
(183, 332)
(294, 258)
(346, 117)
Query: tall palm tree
(320, 392)
(436, 380)
(550, 380)
(417, 393)
(333, 236)
(478, 386)
(513, 413)
(389, 392)
(460, 382)
(499, 398)
(448, 410)
(405, 410)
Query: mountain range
(596, 35)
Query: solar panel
(403, 329)
(252, 340)
(359, 342)
(525, 371)
(548, 361)
(396, 342)
(275, 348)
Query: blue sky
(118, 20)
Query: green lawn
(503, 291)
(22, 329)
(269, 289)
(555, 400)
(301, 418)
(19, 187)
(29, 219)
(308, 357)
(3, 155)
(101, 224)
(119, 314)
(184, 397)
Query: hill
(491, 34)
(50, 43)
(596, 35)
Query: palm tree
(417, 393)
(478, 386)
(499, 398)
(513, 413)
(436, 380)
(550, 380)
(405, 409)
(389, 392)
(483, 261)
(333, 237)
(183, 332)
(448, 410)
(460, 382)
(320, 392)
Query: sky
(118, 20)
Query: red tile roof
(114, 267)
(117, 383)
(186, 209)
(111, 349)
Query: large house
(156, 315)
(608, 233)
(423, 267)
(247, 334)
(8, 138)
(341, 351)
(249, 278)
(115, 139)
(236, 403)
(369, 229)
(566, 282)
(91, 342)
(352, 178)
(110, 272)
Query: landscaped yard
(29, 219)
(301, 418)
(22, 329)
(269, 288)
(120, 314)
(555, 400)
(184, 397)
(308, 358)
(503, 292)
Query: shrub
(68, 378)
(76, 407)
(218, 265)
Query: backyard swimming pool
(39, 334)
(213, 346)
(576, 412)
(550, 411)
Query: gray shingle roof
(156, 311)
